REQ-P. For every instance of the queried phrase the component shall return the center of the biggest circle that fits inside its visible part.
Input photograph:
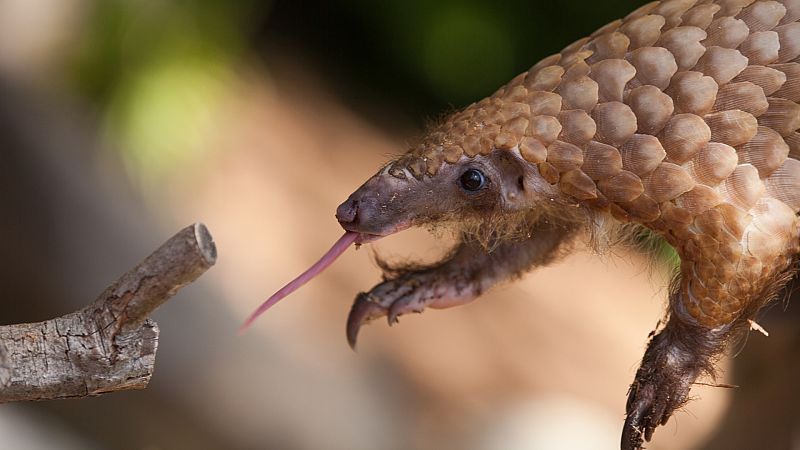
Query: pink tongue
(327, 259)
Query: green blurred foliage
(158, 70)
(454, 52)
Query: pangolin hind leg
(461, 277)
(722, 286)
(676, 356)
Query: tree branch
(110, 345)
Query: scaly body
(682, 118)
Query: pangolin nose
(347, 211)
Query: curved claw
(637, 427)
(362, 311)
(402, 306)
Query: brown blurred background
(122, 121)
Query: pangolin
(681, 118)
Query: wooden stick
(110, 345)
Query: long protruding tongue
(327, 259)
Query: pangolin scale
(682, 117)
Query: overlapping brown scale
(767, 151)
(505, 141)
(613, 45)
(784, 184)
(743, 187)
(714, 163)
(601, 161)
(571, 49)
(672, 10)
(769, 79)
(733, 127)
(674, 220)
(727, 32)
(732, 7)
(616, 123)
(789, 36)
(549, 172)
(643, 31)
(576, 65)
(487, 139)
(544, 62)
(564, 156)
(782, 116)
(533, 150)
(684, 44)
(790, 89)
(761, 48)
(578, 185)
(683, 136)
(513, 109)
(611, 76)
(654, 66)
(642, 154)
(579, 93)
(736, 220)
(792, 11)
(711, 224)
(700, 16)
(667, 182)
(450, 153)
(516, 127)
(471, 145)
(693, 92)
(763, 15)
(721, 64)
(642, 209)
(544, 103)
(793, 140)
(544, 128)
(623, 187)
(515, 94)
(545, 78)
(744, 96)
(433, 160)
(772, 226)
(652, 107)
(577, 126)
(699, 199)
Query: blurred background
(123, 121)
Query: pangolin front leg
(461, 277)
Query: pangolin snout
(346, 212)
(361, 214)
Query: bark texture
(111, 344)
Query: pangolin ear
(510, 176)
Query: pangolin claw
(362, 311)
(637, 427)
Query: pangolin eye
(473, 180)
